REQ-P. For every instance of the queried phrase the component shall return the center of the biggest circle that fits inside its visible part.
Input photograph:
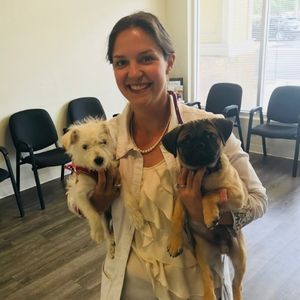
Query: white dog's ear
(105, 128)
(74, 136)
(69, 138)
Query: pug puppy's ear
(170, 140)
(224, 127)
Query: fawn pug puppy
(198, 144)
(91, 147)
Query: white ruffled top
(171, 278)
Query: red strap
(81, 170)
(71, 167)
(174, 98)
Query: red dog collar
(81, 170)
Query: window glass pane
(229, 50)
(283, 47)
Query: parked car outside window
(280, 29)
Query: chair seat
(3, 174)
(49, 158)
(276, 131)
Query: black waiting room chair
(283, 120)
(35, 138)
(225, 98)
(8, 173)
(81, 108)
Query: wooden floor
(48, 254)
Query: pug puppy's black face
(198, 146)
(198, 143)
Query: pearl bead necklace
(151, 148)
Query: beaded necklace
(151, 148)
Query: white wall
(177, 26)
(53, 51)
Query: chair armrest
(3, 150)
(231, 111)
(194, 103)
(251, 115)
(24, 145)
(255, 110)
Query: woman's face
(140, 68)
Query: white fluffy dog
(91, 147)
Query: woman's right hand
(189, 192)
(107, 189)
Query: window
(254, 43)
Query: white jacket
(131, 165)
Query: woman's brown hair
(147, 22)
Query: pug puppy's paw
(211, 216)
(175, 247)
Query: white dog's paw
(97, 232)
(137, 219)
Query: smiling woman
(142, 56)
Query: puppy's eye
(84, 147)
(185, 141)
(103, 142)
(209, 134)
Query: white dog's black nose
(98, 160)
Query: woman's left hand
(189, 192)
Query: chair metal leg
(263, 140)
(14, 185)
(38, 186)
(16, 191)
(238, 124)
(248, 141)
(295, 163)
(62, 173)
(18, 197)
(18, 171)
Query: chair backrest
(221, 95)
(284, 104)
(33, 127)
(84, 107)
